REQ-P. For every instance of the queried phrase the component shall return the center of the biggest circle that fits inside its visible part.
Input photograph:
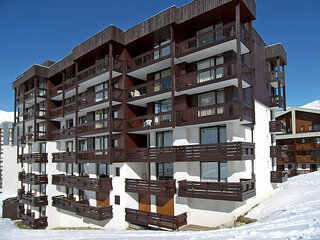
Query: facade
(301, 139)
(162, 125)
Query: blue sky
(35, 30)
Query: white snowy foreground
(292, 213)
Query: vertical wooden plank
(284, 88)
(35, 79)
(173, 76)
(110, 119)
(76, 113)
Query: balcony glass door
(214, 171)
(165, 171)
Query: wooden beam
(110, 117)
(173, 76)
(76, 113)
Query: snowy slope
(292, 213)
(6, 116)
(314, 105)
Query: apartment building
(162, 125)
(300, 138)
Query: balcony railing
(228, 191)
(63, 133)
(64, 203)
(278, 176)
(36, 201)
(149, 121)
(231, 151)
(307, 159)
(152, 56)
(40, 114)
(32, 178)
(64, 157)
(213, 113)
(304, 146)
(278, 151)
(94, 156)
(41, 92)
(277, 102)
(277, 126)
(33, 158)
(97, 213)
(40, 136)
(154, 187)
(155, 219)
(82, 182)
(148, 89)
(29, 220)
(100, 126)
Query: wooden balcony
(63, 133)
(64, 203)
(60, 157)
(278, 151)
(83, 182)
(96, 213)
(100, 67)
(11, 207)
(100, 126)
(228, 191)
(33, 137)
(66, 86)
(149, 89)
(148, 58)
(32, 178)
(307, 159)
(213, 113)
(94, 156)
(286, 159)
(29, 220)
(151, 121)
(306, 146)
(278, 176)
(277, 102)
(33, 158)
(41, 93)
(144, 218)
(63, 110)
(154, 187)
(36, 201)
(40, 114)
(231, 151)
(278, 127)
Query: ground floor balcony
(29, 220)
(230, 151)
(278, 176)
(32, 178)
(214, 113)
(154, 187)
(278, 127)
(33, 158)
(150, 219)
(12, 208)
(83, 182)
(29, 199)
(278, 151)
(63, 157)
(227, 191)
(82, 208)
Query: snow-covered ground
(292, 213)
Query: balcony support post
(35, 109)
(76, 113)
(110, 118)
(15, 106)
(252, 74)
(23, 111)
(173, 76)
(284, 88)
(238, 37)
(63, 93)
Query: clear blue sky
(36, 30)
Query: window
(102, 170)
(164, 139)
(315, 153)
(165, 170)
(303, 140)
(42, 211)
(83, 169)
(42, 109)
(117, 171)
(317, 140)
(316, 127)
(29, 147)
(304, 166)
(101, 91)
(310, 128)
(101, 143)
(83, 195)
(42, 168)
(204, 76)
(209, 99)
(165, 83)
(289, 166)
(69, 146)
(42, 147)
(209, 38)
(69, 169)
(302, 128)
(303, 153)
(162, 107)
(42, 188)
(69, 123)
(162, 52)
(69, 192)
(213, 135)
(214, 171)
(115, 143)
(83, 145)
(100, 115)
(82, 120)
(115, 114)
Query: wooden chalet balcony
(144, 218)
(100, 126)
(154, 187)
(33, 158)
(150, 121)
(306, 146)
(93, 156)
(64, 157)
(83, 182)
(63, 133)
(37, 136)
(148, 58)
(214, 113)
(101, 66)
(67, 85)
(278, 151)
(228, 191)
(277, 102)
(40, 114)
(32, 178)
(286, 159)
(63, 110)
(36, 201)
(278, 176)
(64, 203)
(307, 159)
(277, 126)
(40, 93)
(96, 213)
(230, 151)
(29, 220)
(149, 89)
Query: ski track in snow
(292, 213)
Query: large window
(83, 145)
(214, 171)
(102, 170)
(83, 169)
(69, 146)
(164, 139)
(211, 135)
(101, 143)
(162, 52)
(69, 169)
(162, 107)
(211, 74)
(165, 171)
(101, 91)
(100, 115)
(210, 99)
(164, 84)
(209, 38)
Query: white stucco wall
(10, 183)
